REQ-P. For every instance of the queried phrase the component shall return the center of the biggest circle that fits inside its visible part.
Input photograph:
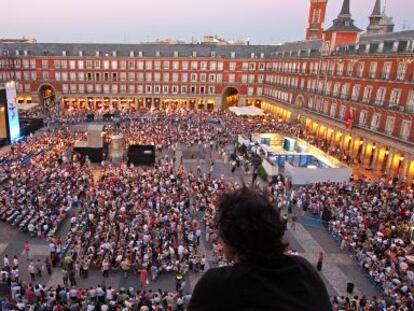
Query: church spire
(377, 8)
(344, 21)
(345, 11)
(378, 21)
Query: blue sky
(132, 21)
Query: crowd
(36, 196)
(105, 298)
(373, 221)
(148, 219)
(137, 218)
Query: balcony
(379, 102)
(393, 106)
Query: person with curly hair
(262, 276)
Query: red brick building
(353, 89)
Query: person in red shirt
(143, 277)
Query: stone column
(376, 154)
(405, 167)
(333, 137)
(364, 149)
(390, 161)
(342, 143)
(357, 146)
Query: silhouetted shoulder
(290, 284)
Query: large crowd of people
(30, 296)
(35, 196)
(148, 219)
(373, 221)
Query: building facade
(357, 94)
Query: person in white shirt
(6, 262)
(15, 261)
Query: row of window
(141, 54)
(132, 77)
(364, 69)
(132, 65)
(345, 91)
(329, 108)
(338, 68)
(278, 94)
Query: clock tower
(316, 21)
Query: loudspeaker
(141, 155)
(94, 154)
(350, 287)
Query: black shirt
(290, 284)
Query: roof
(147, 50)
(344, 21)
(405, 35)
(307, 48)
(152, 50)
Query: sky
(133, 21)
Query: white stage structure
(95, 139)
(298, 160)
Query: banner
(12, 112)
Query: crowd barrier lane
(311, 221)
(351, 252)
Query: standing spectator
(105, 268)
(6, 262)
(27, 250)
(320, 261)
(48, 266)
(38, 266)
(32, 270)
(65, 276)
(72, 278)
(179, 278)
(143, 277)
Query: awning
(247, 111)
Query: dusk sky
(133, 21)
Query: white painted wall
(271, 170)
(303, 175)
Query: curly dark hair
(248, 222)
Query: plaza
(115, 159)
